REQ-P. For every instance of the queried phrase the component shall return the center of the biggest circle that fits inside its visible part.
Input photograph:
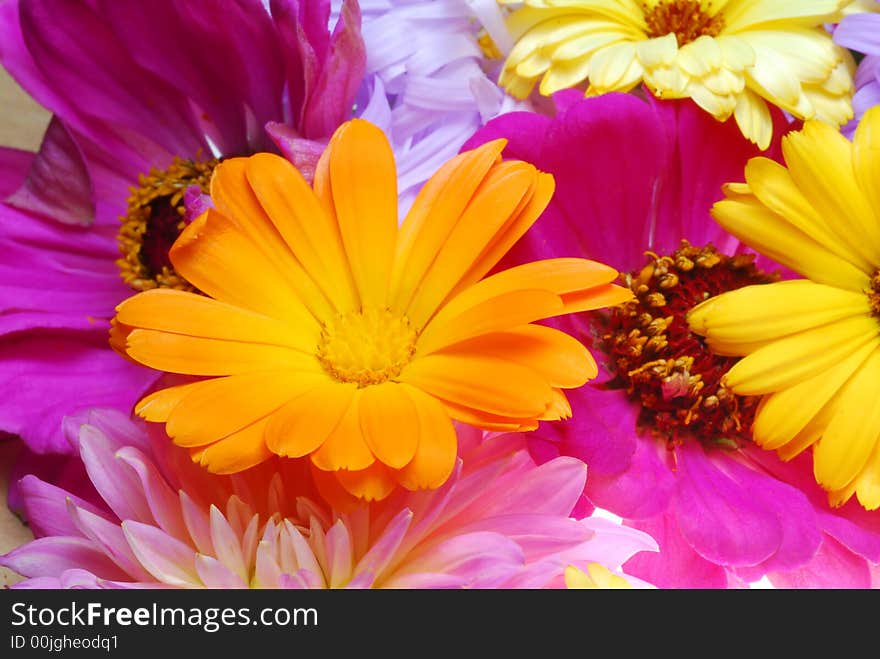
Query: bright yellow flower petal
(854, 431)
(791, 359)
(597, 576)
(729, 57)
(327, 332)
(812, 347)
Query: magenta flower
(158, 520)
(860, 32)
(668, 451)
(146, 97)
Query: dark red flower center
(664, 366)
(874, 294)
(153, 222)
(684, 18)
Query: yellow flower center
(684, 18)
(874, 294)
(367, 347)
(153, 222)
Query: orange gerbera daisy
(327, 331)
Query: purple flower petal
(68, 38)
(14, 166)
(46, 378)
(721, 519)
(58, 186)
(859, 32)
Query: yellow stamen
(874, 294)
(366, 347)
(684, 18)
(154, 220)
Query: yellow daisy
(729, 56)
(811, 346)
(328, 331)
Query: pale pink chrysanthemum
(158, 520)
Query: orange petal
(237, 452)
(303, 424)
(390, 423)
(608, 295)
(561, 360)
(158, 405)
(332, 492)
(192, 355)
(511, 232)
(232, 194)
(311, 235)
(363, 181)
(216, 256)
(486, 421)
(507, 186)
(482, 383)
(345, 447)
(436, 452)
(564, 277)
(371, 484)
(218, 407)
(196, 315)
(506, 310)
(433, 215)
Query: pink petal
(50, 557)
(676, 565)
(166, 558)
(833, 567)
(721, 519)
(215, 574)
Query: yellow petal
(798, 357)
(773, 185)
(866, 158)
(853, 433)
(771, 311)
(868, 481)
(771, 235)
(781, 416)
(158, 405)
(820, 160)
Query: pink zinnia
(156, 519)
(160, 90)
(634, 176)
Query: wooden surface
(22, 123)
